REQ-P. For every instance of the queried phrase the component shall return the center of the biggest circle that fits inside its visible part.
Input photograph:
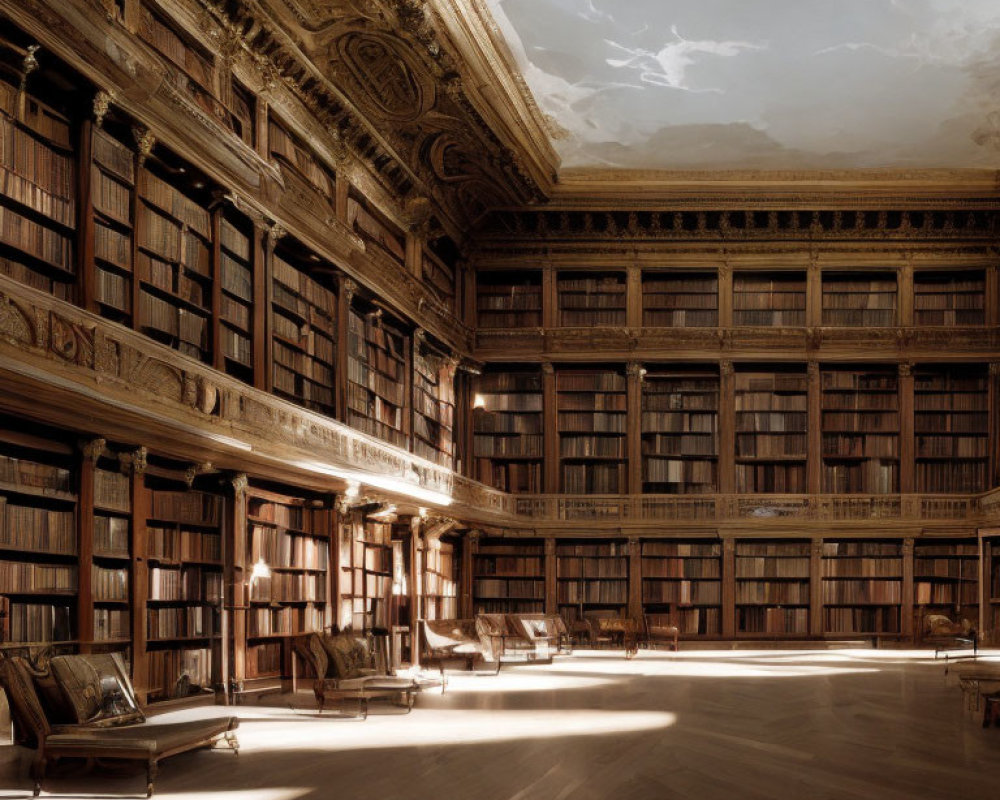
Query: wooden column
(634, 577)
(906, 607)
(550, 307)
(469, 549)
(270, 239)
(727, 428)
(91, 452)
(236, 575)
(814, 445)
(415, 579)
(86, 269)
(215, 328)
(728, 609)
(135, 464)
(145, 142)
(633, 418)
(551, 577)
(907, 450)
(725, 296)
(260, 330)
(814, 296)
(904, 291)
(345, 297)
(993, 404)
(262, 132)
(550, 416)
(464, 416)
(816, 587)
(633, 297)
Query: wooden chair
(653, 634)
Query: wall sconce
(260, 570)
(479, 401)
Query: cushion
(29, 716)
(144, 741)
(97, 688)
(58, 710)
(338, 666)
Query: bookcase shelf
(859, 299)
(862, 587)
(769, 299)
(860, 417)
(509, 299)
(591, 299)
(771, 440)
(949, 298)
(366, 567)
(184, 573)
(112, 545)
(304, 334)
(300, 167)
(439, 274)
(439, 598)
(951, 427)
(236, 243)
(682, 585)
(38, 544)
(680, 299)
(591, 577)
(509, 577)
(508, 433)
(377, 365)
(591, 408)
(680, 435)
(112, 187)
(946, 579)
(772, 587)
(375, 229)
(433, 407)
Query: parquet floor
(817, 725)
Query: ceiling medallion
(387, 79)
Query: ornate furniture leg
(151, 769)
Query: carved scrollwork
(381, 67)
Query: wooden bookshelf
(377, 365)
(509, 300)
(110, 558)
(301, 169)
(771, 423)
(439, 273)
(772, 587)
(508, 577)
(591, 407)
(433, 406)
(173, 232)
(680, 299)
(861, 423)
(682, 585)
(951, 427)
(862, 587)
(183, 532)
(39, 574)
(376, 230)
(508, 428)
(769, 299)
(591, 578)
(366, 567)
(680, 431)
(859, 299)
(303, 333)
(949, 298)
(588, 299)
(439, 595)
(236, 294)
(945, 580)
(38, 187)
(112, 187)
(292, 536)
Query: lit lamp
(479, 401)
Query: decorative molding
(240, 483)
(93, 449)
(133, 462)
(102, 104)
(145, 141)
(195, 470)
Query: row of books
(861, 566)
(591, 301)
(307, 365)
(591, 567)
(691, 444)
(236, 346)
(771, 478)
(177, 673)
(579, 401)
(307, 392)
(17, 577)
(757, 400)
(679, 471)
(592, 478)
(389, 386)
(952, 446)
(374, 230)
(157, 192)
(512, 403)
(38, 241)
(290, 587)
(379, 420)
(263, 660)
(951, 476)
(113, 156)
(56, 285)
(279, 549)
(173, 544)
(287, 302)
(188, 584)
(869, 477)
(37, 529)
(974, 317)
(928, 593)
(681, 550)
(34, 475)
(488, 587)
(180, 623)
(943, 422)
(965, 567)
(285, 515)
(871, 318)
(572, 591)
(173, 281)
(577, 446)
(111, 624)
(439, 585)
(111, 196)
(111, 536)
(685, 592)
(236, 313)
(113, 290)
(679, 422)
(690, 300)
(36, 174)
(861, 620)
(490, 382)
(112, 490)
(772, 593)
(236, 278)
(40, 622)
(180, 323)
(440, 607)
(590, 382)
(680, 567)
(272, 621)
(516, 478)
(772, 621)
(585, 421)
(109, 584)
(582, 319)
(194, 508)
(294, 153)
(691, 621)
(519, 298)
(680, 318)
(235, 241)
(786, 318)
(679, 401)
(852, 592)
(771, 445)
(772, 567)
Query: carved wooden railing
(542, 509)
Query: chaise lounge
(84, 706)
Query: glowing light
(352, 490)
(479, 401)
(387, 483)
(260, 570)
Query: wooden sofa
(454, 641)
(83, 706)
(343, 666)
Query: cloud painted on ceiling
(763, 84)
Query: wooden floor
(738, 724)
